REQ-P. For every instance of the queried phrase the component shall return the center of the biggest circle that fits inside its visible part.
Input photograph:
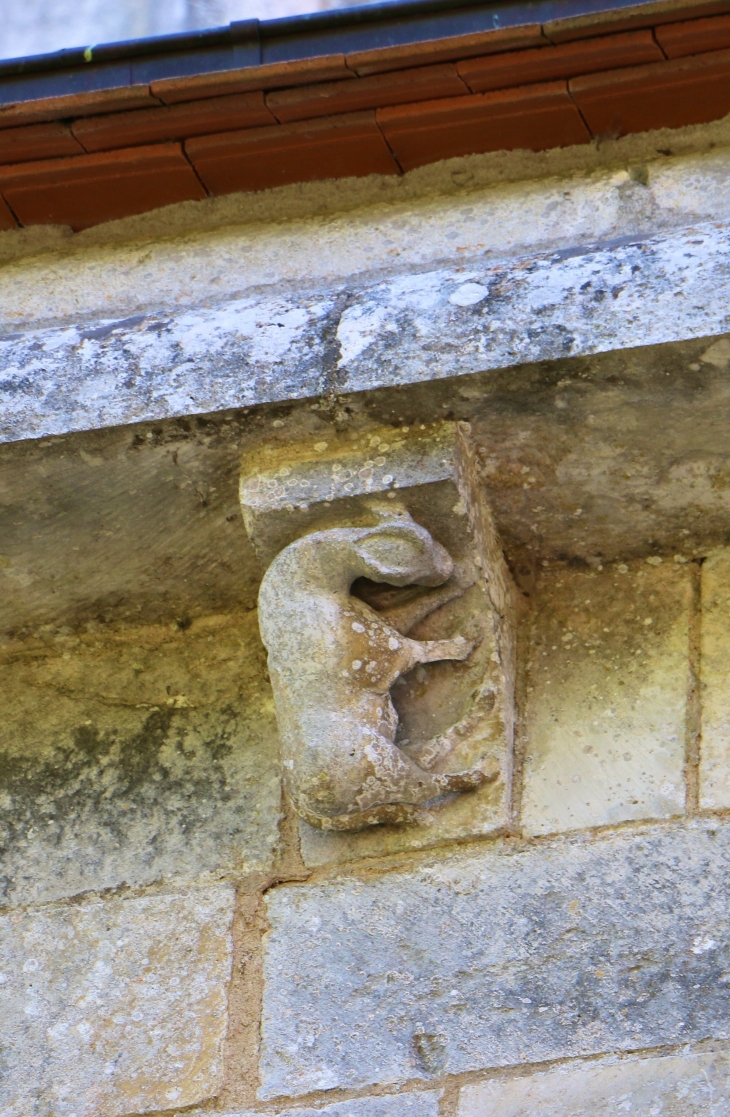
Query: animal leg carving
(426, 754)
(407, 616)
(433, 651)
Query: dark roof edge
(315, 25)
(235, 33)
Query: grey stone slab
(407, 329)
(497, 958)
(674, 1086)
(114, 1006)
(422, 1104)
(133, 756)
(715, 675)
(606, 706)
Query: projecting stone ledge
(407, 329)
(499, 958)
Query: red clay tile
(611, 20)
(695, 36)
(331, 147)
(381, 59)
(275, 75)
(7, 221)
(535, 117)
(586, 56)
(194, 118)
(663, 95)
(425, 83)
(77, 104)
(37, 141)
(90, 189)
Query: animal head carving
(402, 552)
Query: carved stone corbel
(388, 614)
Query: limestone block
(428, 472)
(674, 1086)
(607, 693)
(715, 675)
(499, 958)
(114, 1007)
(423, 1104)
(135, 755)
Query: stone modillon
(333, 660)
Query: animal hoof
(463, 647)
(466, 781)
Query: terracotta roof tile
(37, 141)
(330, 147)
(89, 189)
(444, 50)
(398, 87)
(276, 75)
(694, 36)
(566, 61)
(606, 20)
(663, 95)
(535, 117)
(399, 105)
(76, 104)
(194, 118)
(7, 221)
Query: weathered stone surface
(607, 694)
(114, 1006)
(415, 327)
(135, 755)
(498, 958)
(675, 1086)
(715, 676)
(132, 525)
(290, 489)
(422, 1104)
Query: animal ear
(391, 556)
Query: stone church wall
(173, 938)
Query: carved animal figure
(332, 662)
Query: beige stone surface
(675, 1086)
(422, 1104)
(715, 676)
(113, 1007)
(133, 755)
(607, 692)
